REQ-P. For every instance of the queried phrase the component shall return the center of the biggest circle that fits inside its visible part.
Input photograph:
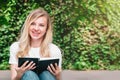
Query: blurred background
(87, 31)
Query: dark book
(41, 65)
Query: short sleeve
(13, 51)
(56, 53)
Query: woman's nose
(36, 27)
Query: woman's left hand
(55, 70)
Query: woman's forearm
(58, 77)
(16, 78)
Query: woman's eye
(32, 23)
(41, 25)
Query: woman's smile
(34, 33)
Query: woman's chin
(35, 38)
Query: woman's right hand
(21, 70)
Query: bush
(86, 31)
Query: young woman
(35, 42)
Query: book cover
(41, 64)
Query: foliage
(86, 30)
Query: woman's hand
(20, 70)
(55, 70)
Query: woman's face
(38, 28)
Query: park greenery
(87, 31)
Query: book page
(47, 58)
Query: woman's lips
(35, 33)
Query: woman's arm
(17, 72)
(14, 75)
(56, 71)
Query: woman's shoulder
(53, 46)
(14, 45)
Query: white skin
(37, 31)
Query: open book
(41, 64)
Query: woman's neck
(35, 43)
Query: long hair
(24, 40)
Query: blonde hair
(24, 40)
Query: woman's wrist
(17, 78)
(58, 76)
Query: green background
(87, 31)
